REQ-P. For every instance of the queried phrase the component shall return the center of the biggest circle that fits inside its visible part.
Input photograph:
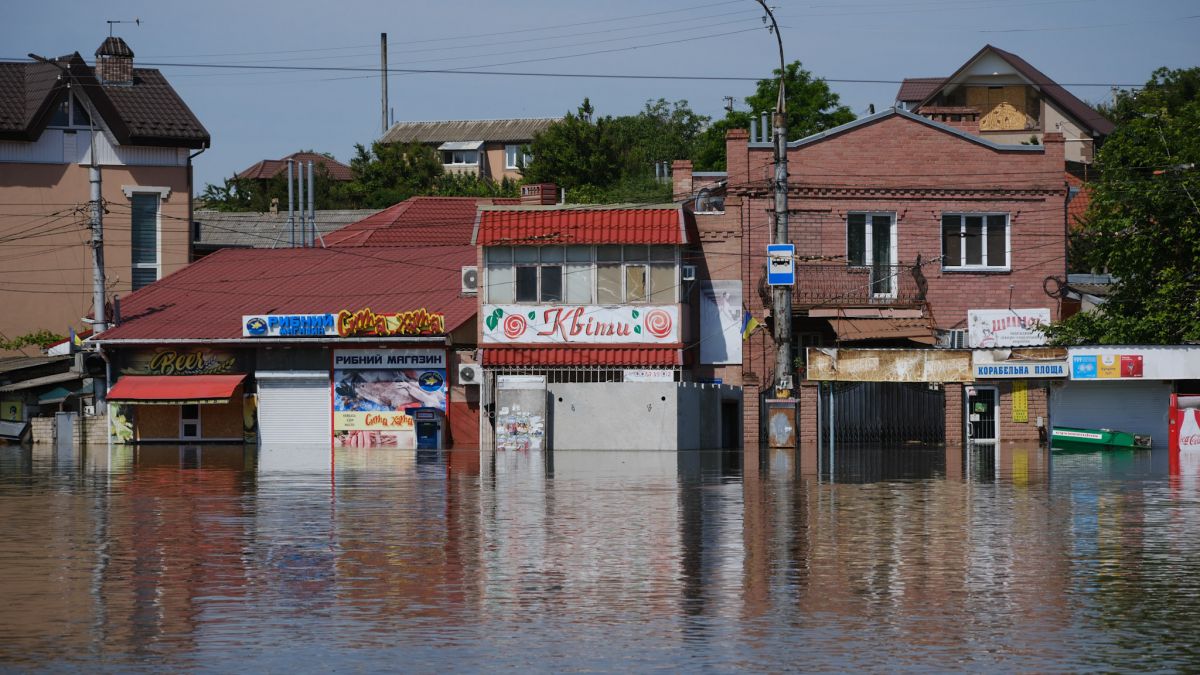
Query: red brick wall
(954, 415)
(1022, 432)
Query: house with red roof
(586, 331)
(337, 344)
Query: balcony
(839, 285)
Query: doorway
(189, 421)
(982, 417)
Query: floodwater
(293, 559)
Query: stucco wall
(47, 282)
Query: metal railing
(841, 285)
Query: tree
(575, 151)
(389, 173)
(246, 194)
(811, 107)
(1143, 223)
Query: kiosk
(429, 425)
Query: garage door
(293, 408)
(1132, 407)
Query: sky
(1086, 45)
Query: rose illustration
(514, 326)
(658, 323)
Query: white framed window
(514, 158)
(871, 242)
(582, 275)
(976, 241)
(145, 238)
(463, 157)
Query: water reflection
(215, 557)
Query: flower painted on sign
(514, 326)
(658, 323)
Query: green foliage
(811, 107)
(389, 173)
(575, 151)
(1143, 224)
(471, 185)
(40, 339)
(245, 194)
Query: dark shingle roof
(148, 112)
(266, 169)
(114, 46)
(916, 89)
(467, 130)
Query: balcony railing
(839, 285)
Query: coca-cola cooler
(1185, 434)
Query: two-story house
(902, 226)
(584, 316)
(57, 117)
(492, 149)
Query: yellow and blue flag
(749, 325)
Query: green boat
(1068, 438)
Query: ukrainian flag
(749, 324)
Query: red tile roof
(657, 355)
(207, 299)
(267, 169)
(418, 221)
(581, 225)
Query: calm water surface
(293, 559)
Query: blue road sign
(781, 265)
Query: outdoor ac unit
(469, 373)
(953, 339)
(688, 273)
(89, 410)
(470, 280)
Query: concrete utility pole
(95, 203)
(782, 295)
(383, 80)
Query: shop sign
(1020, 401)
(649, 375)
(181, 361)
(581, 324)
(372, 389)
(346, 323)
(987, 328)
(1107, 366)
(1020, 369)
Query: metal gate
(886, 414)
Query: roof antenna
(136, 21)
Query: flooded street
(289, 559)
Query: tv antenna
(136, 21)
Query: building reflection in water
(194, 555)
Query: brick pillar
(681, 179)
(809, 396)
(954, 414)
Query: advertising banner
(372, 388)
(1020, 401)
(987, 328)
(581, 324)
(1107, 366)
(346, 323)
(721, 322)
(181, 361)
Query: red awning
(583, 356)
(168, 389)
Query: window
(581, 275)
(871, 242)
(460, 157)
(973, 241)
(514, 158)
(70, 113)
(144, 238)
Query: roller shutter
(1132, 407)
(293, 408)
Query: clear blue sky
(254, 115)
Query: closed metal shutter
(293, 408)
(1132, 407)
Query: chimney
(545, 194)
(114, 62)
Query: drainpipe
(191, 206)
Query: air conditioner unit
(469, 373)
(688, 273)
(470, 280)
(953, 339)
(89, 410)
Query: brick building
(901, 224)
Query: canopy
(461, 145)
(174, 389)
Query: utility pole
(383, 81)
(95, 203)
(782, 295)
